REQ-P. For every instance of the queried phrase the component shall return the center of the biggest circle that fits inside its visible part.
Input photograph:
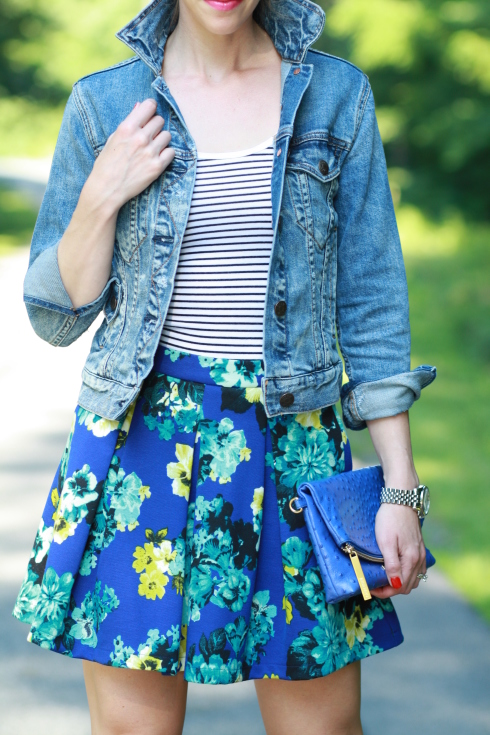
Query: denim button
(323, 166)
(279, 152)
(296, 71)
(280, 308)
(286, 400)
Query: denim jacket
(336, 270)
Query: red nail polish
(136, 105)
(396, 582)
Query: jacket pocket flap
(316, 157)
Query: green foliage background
(429, 65)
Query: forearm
(85, 251)
(392, 443)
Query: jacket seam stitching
(84, 118)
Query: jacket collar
(293, 25)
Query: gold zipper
(356, 564)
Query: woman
(222, 197)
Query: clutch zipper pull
(356, 564)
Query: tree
(429, 66)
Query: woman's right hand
(133, 157)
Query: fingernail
(396, 582)
(136, 105)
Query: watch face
(424, 499)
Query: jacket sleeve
(373, 326)
(49, 307)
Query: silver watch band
(400, 497)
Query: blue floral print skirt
(167, 542)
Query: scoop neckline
(237, 154)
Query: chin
(220, 18)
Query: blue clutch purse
(340, 514)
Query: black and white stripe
(217, 304)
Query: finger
(412, 564)
(392, 565)
(161, 141)
(153, 127)
(142, 112)
(384, 592)
(167, 156)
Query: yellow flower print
(62, 529)
(356, 627)
(287, 606)
(254, 395)
(180, 471)
(152, 557)
(99, 426)
(144, 558)
(55, 499)
(128, 418)
(309, 418)
(256, 504)
(245, 453)
(152, 584)
(143, 661)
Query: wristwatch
(418, 498)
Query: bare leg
(329, 705)
(124, 702)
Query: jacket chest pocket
(132, 225)
(312, 172)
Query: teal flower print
(308, 455)
(236, 633)
(42, 542)
(295, 554)
(28, 597)
(127, 494)
(54, 597)
(92, 613)
(79, 492)
(261, 626)
(222, 450)
(232, 591)
(233, 373)
(171, 404)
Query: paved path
(437, 683)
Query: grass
(17, 219)
(448, 268)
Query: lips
(223, 5)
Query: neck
(192, 50)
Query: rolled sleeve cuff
(49, 306)
(377, 399)
(43, 287)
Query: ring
(422, 576)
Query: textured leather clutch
(340, 514)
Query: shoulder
(105, 97)
(120, 72)
(338, 93)
(338, 70)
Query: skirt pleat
(167, 542)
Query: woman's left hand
(399, 537)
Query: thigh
(328, 705)
(139, 702)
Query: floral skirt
(167, 542)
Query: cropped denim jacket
(336, 260)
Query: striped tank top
(217, 305)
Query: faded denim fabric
(336, 258)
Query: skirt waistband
(220, 371)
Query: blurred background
(429, 66)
